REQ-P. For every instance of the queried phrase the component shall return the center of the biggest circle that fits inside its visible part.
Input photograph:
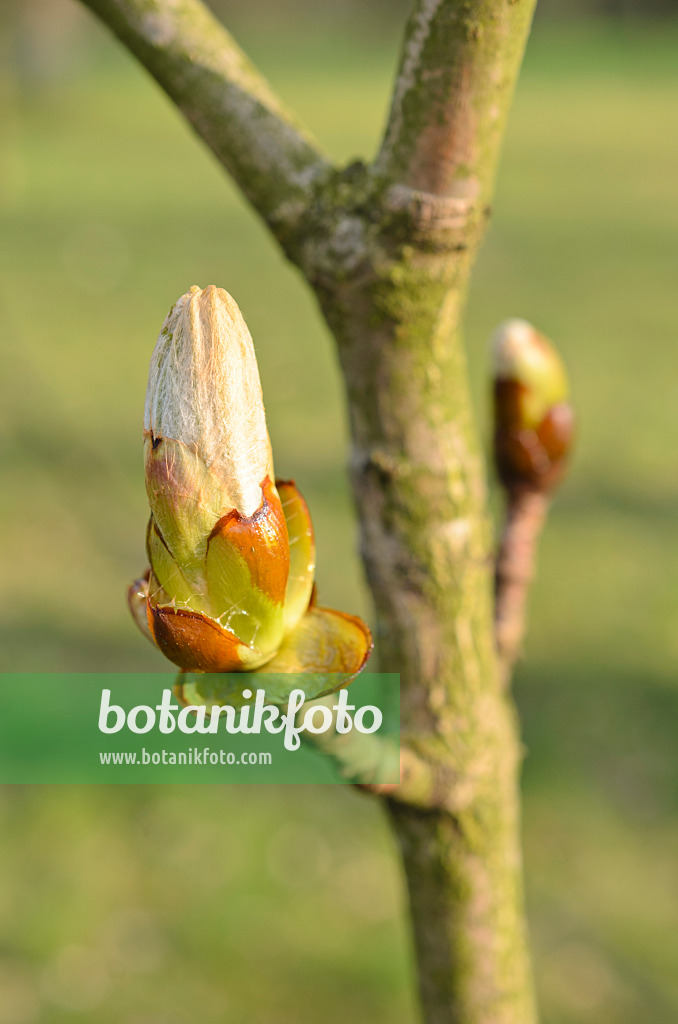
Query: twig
(374, 762)
(525, 514)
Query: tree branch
(228, 103)
(458, 68)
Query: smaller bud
(533, 420)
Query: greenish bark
(420, 489)
(388, 249)
(459, 63)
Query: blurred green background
(198, 905)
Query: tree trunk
(419, 484)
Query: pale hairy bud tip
(204, 392)
(519, 352)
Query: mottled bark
(388, 249)
(420, 488)
(459, 63)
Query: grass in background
(276, 906)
